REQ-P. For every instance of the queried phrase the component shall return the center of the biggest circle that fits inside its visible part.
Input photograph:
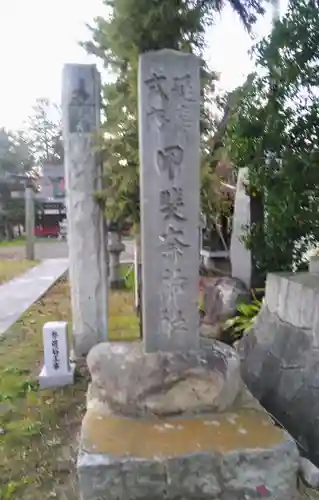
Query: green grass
(128, 275)
(39, 427)
(17, 242)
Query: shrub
(237, 326)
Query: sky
(37, 37)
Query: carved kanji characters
(182, 86)
(173, 243)
(171, 314)
(171, 204)
(169, 160)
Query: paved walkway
(53, 249)
(19, 294)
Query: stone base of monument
(47, 380)
(178, 426)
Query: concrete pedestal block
(228, 456)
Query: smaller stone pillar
(240, 256)
(115, 248)
(86, 225)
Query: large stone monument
(86, 227)
(171, 419)
(170, 210)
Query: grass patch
(16, 242)
(127, 273)
(19, 242)
(38, 429)
(11, 268)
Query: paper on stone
(169, 109)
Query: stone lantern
(115, 247)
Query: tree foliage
(15, 153)
(45, 132)
(275, 132)
(16, 160)
(131, 28)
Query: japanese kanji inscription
(169, 103)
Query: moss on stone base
(118, 436)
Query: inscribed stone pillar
(169, 107)
(240, 256)
(86, 227)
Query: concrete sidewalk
(19, 294)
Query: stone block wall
(280, 356)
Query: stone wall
(280, 356)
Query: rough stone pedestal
(178, 427)
(222, 297)
(115, 248)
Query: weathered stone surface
(221, 298)
(294, 298)
(169, 111)
(240, 256)
(226, 456)
(280, 358)
(129, 382)
(210, 331)
(309, 472)
(86, 228)
(274, 470)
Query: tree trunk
(9, 231)
(256, 218)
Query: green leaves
(44, 132)
(243, 321)
(275, 133)
(131, 28)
